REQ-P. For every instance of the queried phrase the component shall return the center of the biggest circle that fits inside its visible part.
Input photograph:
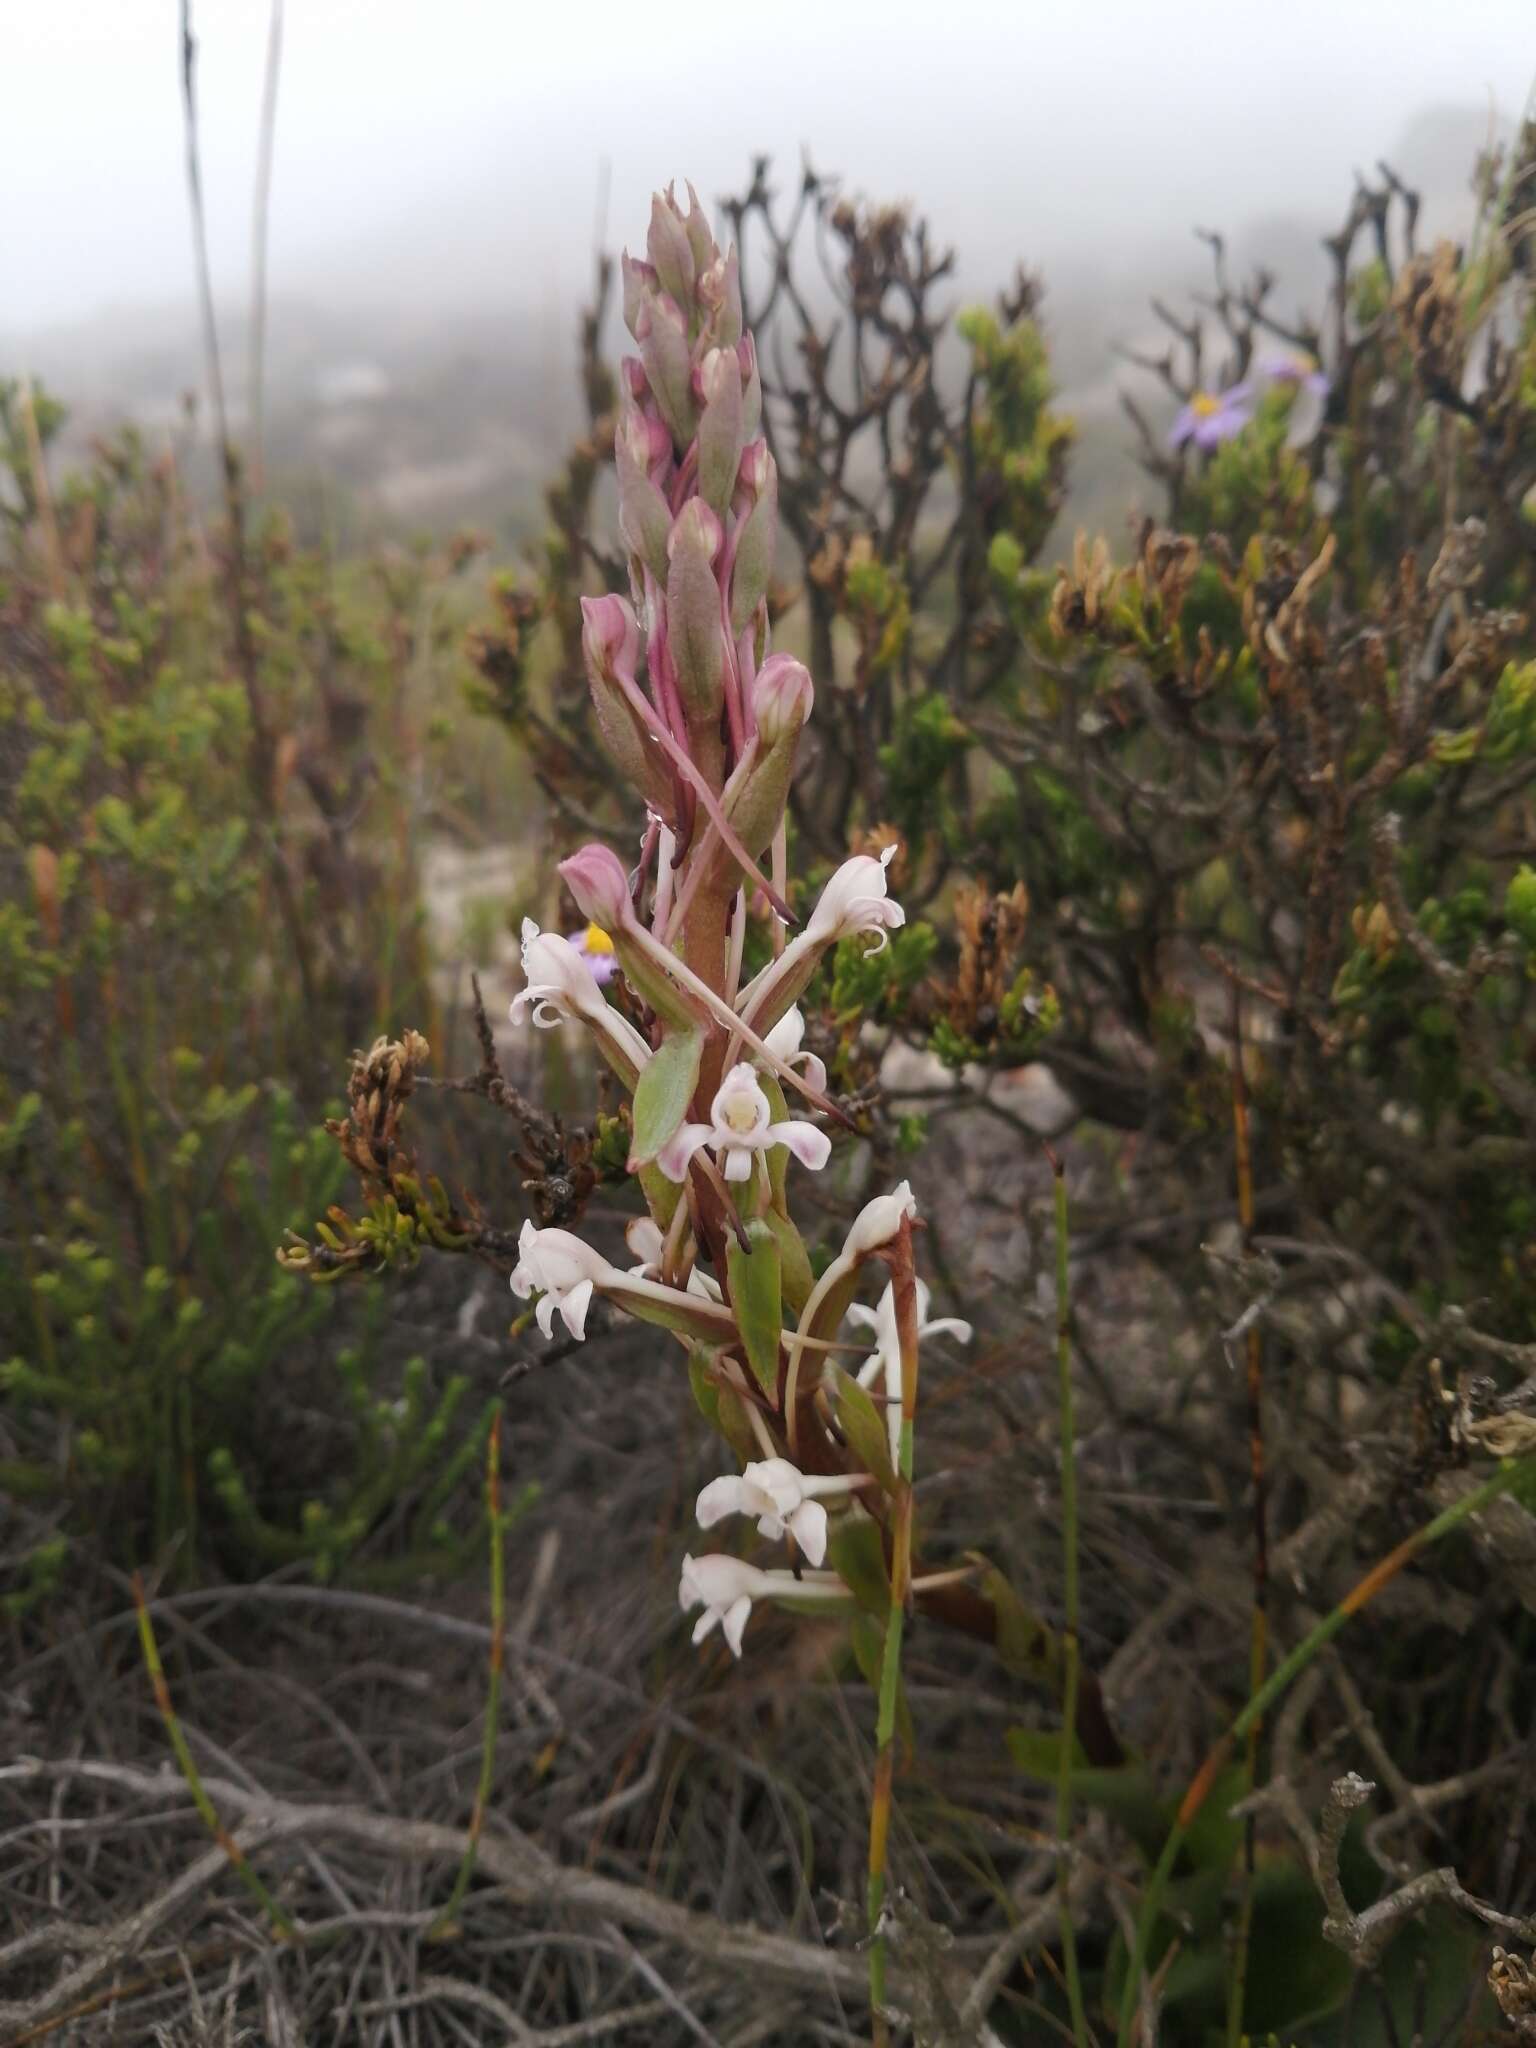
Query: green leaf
(777, 1156)
(706, 1389)
(735, 1426)
(1023, 1641)
(864, 1426)
(720, 1405)
(1214, 1837)
(663, 1092)
(1127, 1793)
(795, 1276)
(856, 1553)
(756, 1299)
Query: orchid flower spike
(740, 1129)
(886, 1361)
(725, 1588)
(779, 1496)
(785, 1040)
(565, 1273)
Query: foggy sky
(448, 151)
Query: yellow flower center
(596, 940)
(740, 1112)
(1202, 405)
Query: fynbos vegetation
(1054, 1202)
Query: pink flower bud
(636, 383)
(715, 373)
(757, 470)
(756, 536)
(670, 250)
(751, 388)
(719, 293)
(700, 240)
(610, 645)
(697, 529)
(719, 427)
(610, 635)
(595, 877)
(645, 440)
(695, 630)
(644, 518)
(662, 334)
(782, 698)
(636, 276)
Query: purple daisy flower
(596, 949)
(1213, 417)
(1298, 368)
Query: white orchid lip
(780, 1498)
(725, 1587)
(740, 1128)
(785, 1039)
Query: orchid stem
(1258, 1639)
(1070, 1599)
(443, 1925)
(904, 1292)
(1510, 1473)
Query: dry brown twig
(1364, 1936)
(524, 1874)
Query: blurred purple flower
(596, 949)
(1213, 417)
(1298, 368)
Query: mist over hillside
(417, 390)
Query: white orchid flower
(878, 1221)
(886, 1362)
(644, 1238)
(785, 1040)
(564, 1272)
(561, 986)
(725, 1588)
(740, 1129)
(855, 901)
(779, 1496)
(874, 1227)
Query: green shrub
(204, 886)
